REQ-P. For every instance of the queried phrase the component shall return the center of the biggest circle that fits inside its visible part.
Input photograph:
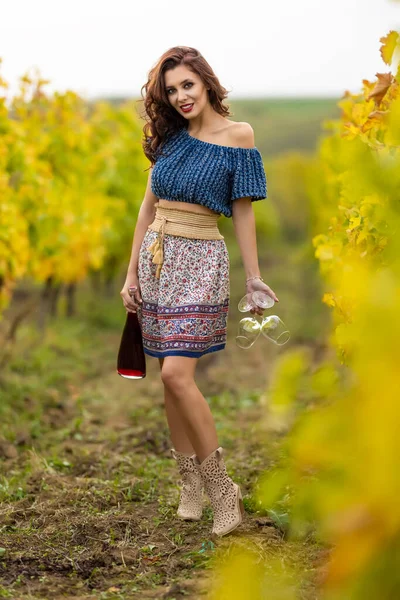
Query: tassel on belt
(180, 222)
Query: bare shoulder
(242, 135)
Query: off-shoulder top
(187, 169)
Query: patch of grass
(89, 490)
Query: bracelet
(256, 277)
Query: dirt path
(88, 488)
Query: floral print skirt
(185, 311)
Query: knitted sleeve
(248, 179)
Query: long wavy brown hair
(162, 119)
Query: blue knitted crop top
(190, 170)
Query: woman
(203, 166)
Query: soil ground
(88, 488)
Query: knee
(173, 377)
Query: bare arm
(242, 210)
(245, 226)
(245, 231)
(146, 216)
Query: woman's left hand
(255, 285)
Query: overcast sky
(256, 47)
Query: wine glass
(274, 329)
(254, 299)
(249, 328)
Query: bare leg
(177, 374)
(180, 440)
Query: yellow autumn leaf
(389, 43)
(350, 131)
(392, 136)
(354, 222)
(324, 252)
(361, 237)
(329, 299)
(381, 87)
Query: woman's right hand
(131, 303)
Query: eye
(188, 83)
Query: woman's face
(185, 87)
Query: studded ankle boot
(225, 495)
(191, 499)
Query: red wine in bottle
(131, 362)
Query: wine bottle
(131, 362)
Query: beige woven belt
(180, 222)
